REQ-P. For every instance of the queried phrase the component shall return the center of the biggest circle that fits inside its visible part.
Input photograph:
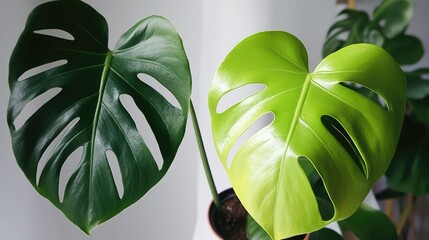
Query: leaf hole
(41, 68)
(116, 172)
(342, 16)
(338, 131)
(143, 128)
(155, 84)
(368, 93)
(258, 125)
(326, 208)
(32, 106)
(382, 23)
(340, 34)
(58, 33)
(46, 154)
(67, 170)
(238, 95)
(343, 36)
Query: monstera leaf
(386, 27)
(396, 46)
(394, 16)
(353, 24)
(63, 52)
(325, 233)
(321, 128)
(418, 84)
(254, 231)
(368, 223)
(408, 170)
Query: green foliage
(394, 16)
(254, 230)
(325, 234)
(88, 112)
(353, 24)
(346, 137)
(366, 223)
(387, 28)
(417, 84)
(408, 169)
(369, 224)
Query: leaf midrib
(295, 120)
(103, 81)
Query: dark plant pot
(229, 227)
(231, 223)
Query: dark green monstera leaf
(394, 16)
(384, 28)
(408, 170)
(418, 84)
(406, 49)
(324, 234)
(368, 223)
(320, 128)
(352, 24)
(254, 231)
(63, 52)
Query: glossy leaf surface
(348, 138)
(89, 112)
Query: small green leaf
(405, 49)
(374, 35)
(418, 83)
(352, 24)
(368, 224)
(348, 138)
(254, 231)
(88, 112)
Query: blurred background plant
(406, 182)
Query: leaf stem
(352, 4)
(307, 236)
(411, 224)
(405, 214)
(204, 158)
(389, 205)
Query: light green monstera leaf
(326, 144)
(95, 98)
